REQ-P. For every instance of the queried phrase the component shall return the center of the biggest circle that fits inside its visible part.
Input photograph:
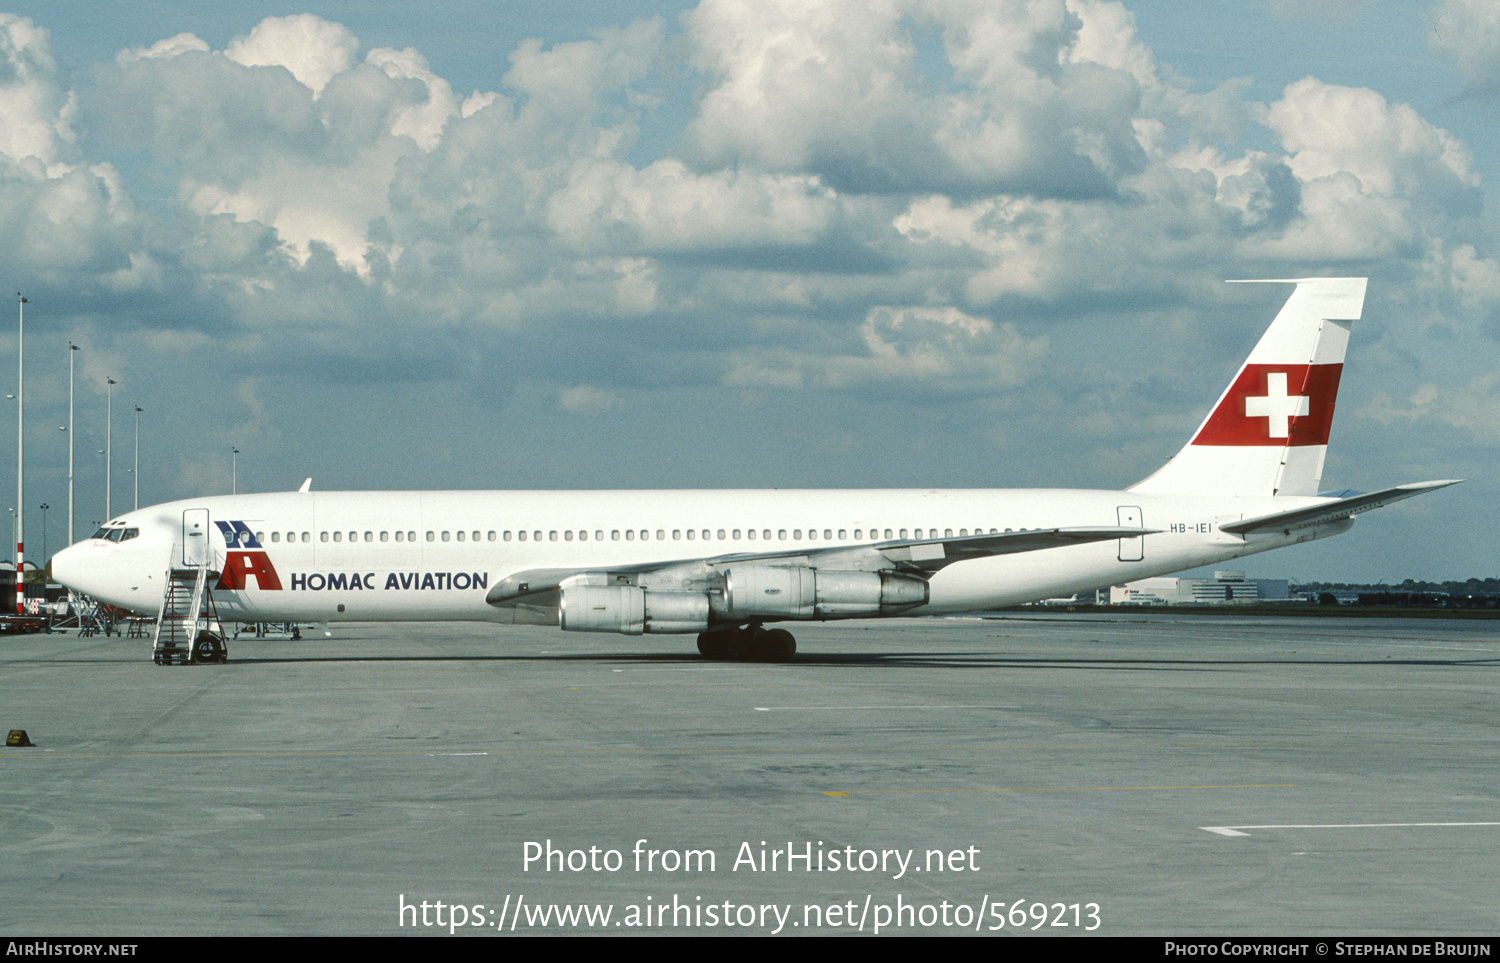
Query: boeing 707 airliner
(724, 565)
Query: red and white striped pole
(20, 454)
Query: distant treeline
(1473, 586)
(1474, 593)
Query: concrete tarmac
(1189, 776)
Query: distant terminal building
(1225, 588)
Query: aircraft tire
(777, 645)
(714, 645)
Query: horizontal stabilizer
(1287, 522)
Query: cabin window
(275, 537)
(385, 536)
(445, 536)
(521, 536)
(797, 534)
(492, 536)
(781, 534)
(411, 536)
(475, 537)
(506, 536)
(598, 534)
(460, 536)
(736, 534)
(691, 534)
(551, 536)
(307, 536)
(338, 536)
(259, 537)
(843, 534)
(645, 534)
(721, 535)
(369, 536)
(676, 534)
(857, 535)
(432, 536)
(752, 534)
(398, 536)
(629, 534)
(614, 535)
(568, 535)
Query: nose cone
(70, 567)
(93, 567)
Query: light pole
(109, 427)
(71, 349)
(45, 506)
(234, 471)
(136, 471)
(20, 450)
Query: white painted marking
(458, 754)
(843, 708)
(1235, 830)
(1277, 406)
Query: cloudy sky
(745, 243)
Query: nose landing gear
(752, 643)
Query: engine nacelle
(799, 592)
(630, 610)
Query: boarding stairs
(187, 625)
(93, 616)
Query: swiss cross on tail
(1275, 404)
(1268, 434)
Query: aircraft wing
(917, 556)
(1288, 522)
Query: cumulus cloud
(836, 88)
(909, 200)
(313, 49)
(35, 109)
(941, 348)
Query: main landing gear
(750, 644)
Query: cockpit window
(101, 533)
(129, 534)
(115, 533)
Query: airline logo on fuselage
(246, 560)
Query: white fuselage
(417, 556)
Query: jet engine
(799, 592)
(630, 610)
